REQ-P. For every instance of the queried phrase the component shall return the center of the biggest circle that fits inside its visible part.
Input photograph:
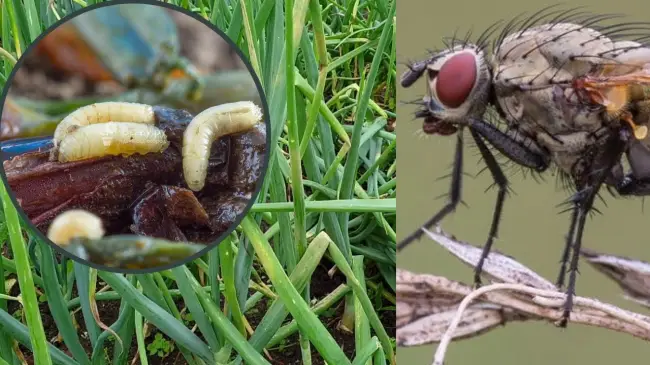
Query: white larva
(102, 113)
(111, 139)
(208, 126)
(75, 223)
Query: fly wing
(627, 57)
(634, 58)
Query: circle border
(259, 183)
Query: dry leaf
(428, 304)
(499, 267)
(633, 276)
(477, 319)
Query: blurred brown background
(207, 50)
(532, 230)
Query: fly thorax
(533, 75)
(566, 149)
(577, 115)
(536, 66)
(562, 46)
(547, 110)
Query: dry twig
(434, 309)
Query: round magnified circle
(134, 136)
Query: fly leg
(417, 70)
(520, 150)
(582, 205)
(513, 149)
(454, 195)
(601, 167)
(502, 183)
(567, 250)
(632, 186)
(515, 146)
(579, 197)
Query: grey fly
(570, 92)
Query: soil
(288, 353)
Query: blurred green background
(532, 229)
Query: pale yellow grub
(640, 132)
(112, 139)
(102, 113)
(208, 126)
(75, 223)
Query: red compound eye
(456, 79)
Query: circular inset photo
(134, 136)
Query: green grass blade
(25, 281)
(362, 296)
(324, 304)
(99, 350)
(6, 343)
(277, 312)
(82, 274)
(361, 325)
(245, 350)
(170, 307)
(194, 306)
(364, 354)
(251, 37)
(151, 290)
(350, 206)
(286, 253)
(299, 230)
(15, 25)
(126, 332)
(58, 307)
(22, 334)
(158, 316)
(308, 322)
(235, 24)
(325, 111)
(215, 285)
(32, 16)
(139, 335)
(226, 255)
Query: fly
(567, 91)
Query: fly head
(458, 86)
